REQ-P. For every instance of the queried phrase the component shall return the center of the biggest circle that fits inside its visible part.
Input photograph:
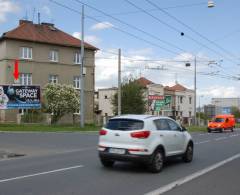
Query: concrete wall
(2, 49)
(105, 104)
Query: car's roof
(138, 117)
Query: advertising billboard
(19, 97)
(158, 103)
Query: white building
(183, 102)
(224, 105)
(105, 97)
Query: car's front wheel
(156, 164)
(188, 155)
(107, 163)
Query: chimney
(25, 22)
(47, 24)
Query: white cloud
(47, 10)
(6, 7)
(220, 91)
(101, 26)
(94, 40)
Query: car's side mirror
(183, 128)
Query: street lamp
(210, 4)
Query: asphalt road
(67, 163)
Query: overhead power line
(189, 27)
(152, 10)
(180, 32)
(131, 26)
(118, 29)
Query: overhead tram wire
(151, 10)
(190, 28)
(175, 29)
(131, 26)
(118, 29)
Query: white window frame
(26, 53)
(53, 79)
(53, 56)
(25, 78)
(76, 82)
(77, 58)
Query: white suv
(143, 138)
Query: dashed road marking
(202, 142)
(220, 138)
(41, 173)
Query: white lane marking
(188, 178)
(77, 150)
(220, 138)
(41, 173)
(202, 142)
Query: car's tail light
(140, 134)
(102, 132)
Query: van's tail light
(102, 132)
(141, 134)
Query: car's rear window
(218, 120)
(124, 124)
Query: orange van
(222, 122)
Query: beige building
(105, 97)
(46, 55)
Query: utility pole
(119, 82)
(81, 73)
(195, 89)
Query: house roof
(176, 87)
(43, 33)
(144, 82)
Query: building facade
(105, 97)
(46, 55)
(176, 101)
(224, 105)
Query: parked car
(221, 123)
(143, 138)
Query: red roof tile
(43, 33)
(144, 82)
(176, 87)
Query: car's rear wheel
(209, 130)
(107, 163)
(156, 164)
(188, 155)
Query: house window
(181, 99)
(76, 82)
(53, 79)
(77, 58)
(190, 100)
(190, 113)
(53, 56)
(105, 97)
(26, 53)
(25, 78)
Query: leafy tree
(61, 100)
(132, 98)
(235, 112)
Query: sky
(156, 37)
